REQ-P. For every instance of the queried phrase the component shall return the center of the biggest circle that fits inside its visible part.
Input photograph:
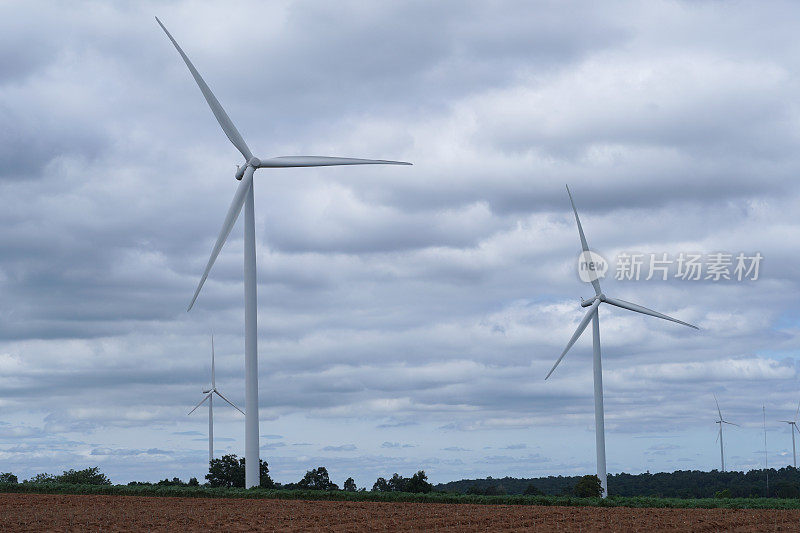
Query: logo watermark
(686, 266)
(591, 266)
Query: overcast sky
(407, 315)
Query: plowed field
(48, 512)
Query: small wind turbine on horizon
(243, 198)
(766, 460)
(793, 426)
(209, 395)
(592, 315)
(719, 434)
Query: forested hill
(680, 484)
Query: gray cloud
(400, 305)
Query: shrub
(8, 477)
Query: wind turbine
(719, 435)
(793, 424)
(243, 197)
(592, 315)
(209, 395)
(766, 462)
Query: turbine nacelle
(590, 301)
(252, 162)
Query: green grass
(433, 497)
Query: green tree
(228, 471)
(8, 477)
(87, 476)
(42, 478)
(588, 487)
(350, 485)
(174, 482)
(193, 482)
(786, 489)
(397, 483)
(531, 490)
(381, 485)
(317, 479)
(419, 483)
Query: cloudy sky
(407, 315)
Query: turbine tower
(592, 315)
(209, 395)
(793, 425)
(719, 435)
(243, 197)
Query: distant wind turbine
(592, 315)
(766, 461)
(719, 435)
(244, 198)
(793, 428)
(209, 395)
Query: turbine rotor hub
(590, 301)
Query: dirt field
(45, 512)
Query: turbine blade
(639, 309)
(227, 400)
(582, 326)
(718, 410)
(213, 378)
(227, 226)
(584, 246)
(731, 423)
(216, 108)
(787, 421)
(797, 412)
(718, 434)
(321, 161)
(206, 397)
(795, 427)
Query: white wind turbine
(209, 395)
(719, 435)
(793, 426)
(592, 315)
(243, 197)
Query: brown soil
(49, 512)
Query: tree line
(783, 483)
(228, 471)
